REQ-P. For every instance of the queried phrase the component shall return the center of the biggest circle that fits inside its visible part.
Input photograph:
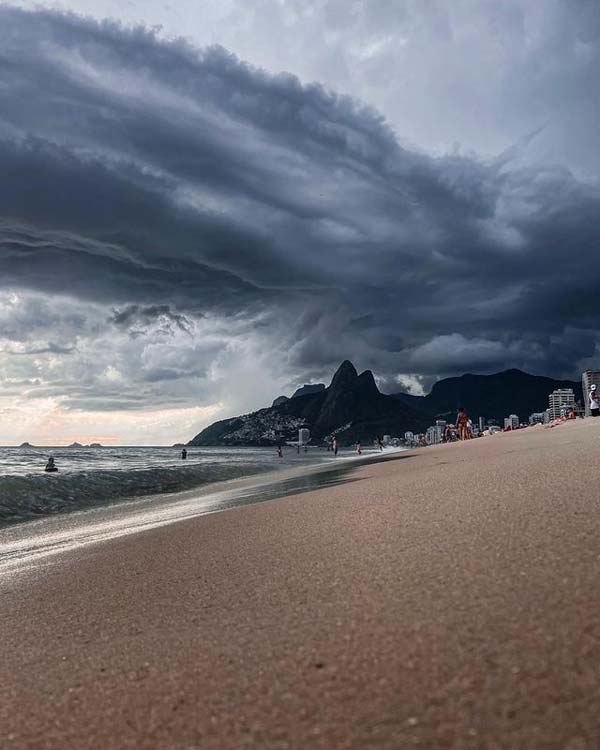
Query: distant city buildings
(303, 436)
(589, 378)
(435, 433)
(537, 417)
(511, 422)
(560, 401)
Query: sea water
(92, 477)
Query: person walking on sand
(462, 419)
(594, 402)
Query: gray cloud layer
(157, 187)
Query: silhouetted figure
(184, 454)
(50, 465)
(594, 402)
(334, 446)
(380, 443)
(279, 452)
(461, 422)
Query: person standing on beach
(462, 419)
(594, 402)
(279, 452)
(358, 448)
(334, 446)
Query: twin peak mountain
(353, 409)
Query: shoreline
(449, 600)
(28, 543)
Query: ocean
(95, 477)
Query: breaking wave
(26, 497)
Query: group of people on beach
(461, 430)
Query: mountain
(306, 389)
(351, 407)
(303, 391)
(489, 396)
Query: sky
(206, 204)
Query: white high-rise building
(303, 435)
(434, 434)
(588, 378)
(560, 400)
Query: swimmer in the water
(50, 465)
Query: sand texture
(446, 599)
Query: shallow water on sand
(29, 544)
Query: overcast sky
(205, 204)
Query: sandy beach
(449, 598)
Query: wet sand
(447, 599)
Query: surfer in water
(50, 465)
(184, 454)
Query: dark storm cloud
(168, 183)
(137, 318)
(51, 348)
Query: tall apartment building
(559, 401)
(589, 377)
(435, 433)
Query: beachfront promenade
(446, 599)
